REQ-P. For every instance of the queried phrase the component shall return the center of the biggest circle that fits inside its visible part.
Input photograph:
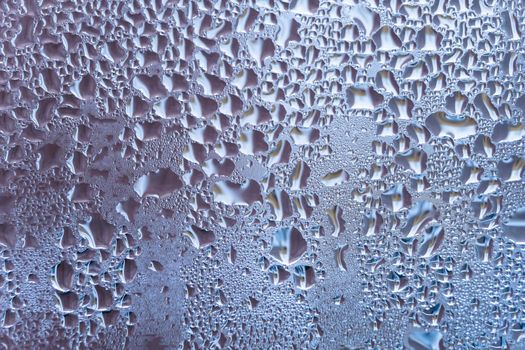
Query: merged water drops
(304, 174)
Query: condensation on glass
(302, 174)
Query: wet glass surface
(262, 174)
